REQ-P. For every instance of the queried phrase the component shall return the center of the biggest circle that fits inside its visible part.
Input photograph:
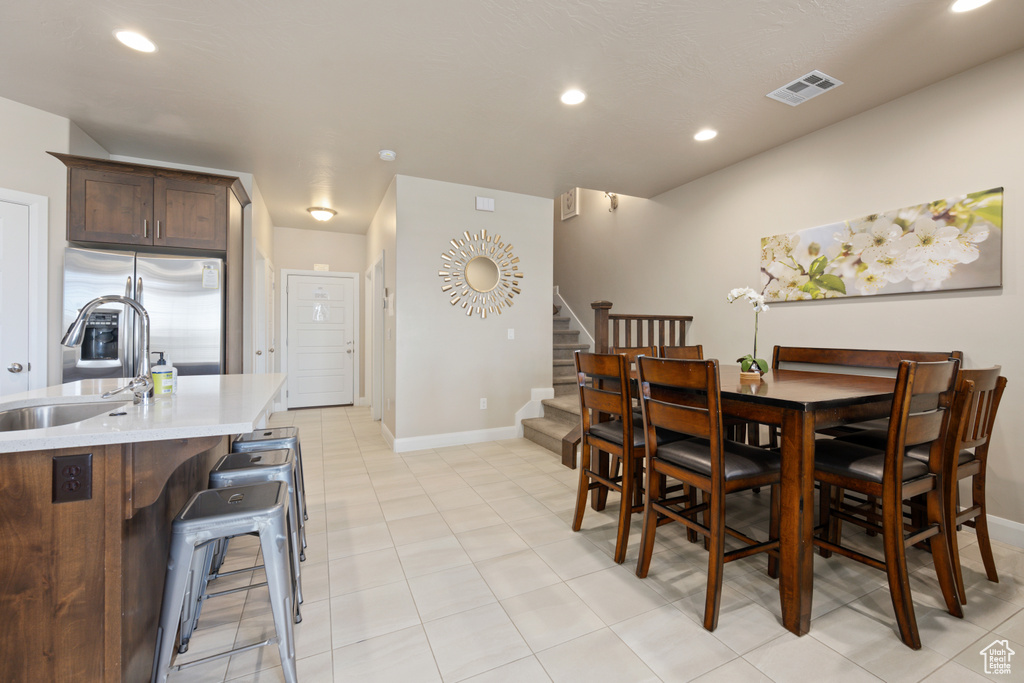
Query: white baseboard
(1006, 531)
(388, 436)
(362, 401)
(416, 443)
(533, 408)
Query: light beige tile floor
(458, 564)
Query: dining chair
(892, 477)
(969, 446)
(608, 427)
(684, 396)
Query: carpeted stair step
(563, 409)
(546, 432)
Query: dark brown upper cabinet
(116, 203)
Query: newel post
(601, 309)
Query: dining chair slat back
(695, 352)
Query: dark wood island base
(81, 582)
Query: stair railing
(613, 330)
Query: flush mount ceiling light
(387, 155)
(968, 5)
(135, 41)
(322, 213)
(573, 96)
(706, 134)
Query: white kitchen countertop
(209, 405)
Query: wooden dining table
(800, 402)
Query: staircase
(562, 412)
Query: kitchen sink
(52, 415)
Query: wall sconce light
(322, 213)
(613, 199)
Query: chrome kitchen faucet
(142, 385)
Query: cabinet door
(190, 214)
(116, 208)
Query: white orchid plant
(750, 361)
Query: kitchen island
(85, 512)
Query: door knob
(348, 350)
(259, 353)
(15, 368)
(271, 349)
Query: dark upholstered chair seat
(839, 456)
(612, 432)
(875, 438)
(740, 461)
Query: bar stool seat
(208, 517)
(277, 437)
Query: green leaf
(818, 266)
(747, 362)
(762, 364)
(833, 282)
(810, 288)
(993, 213)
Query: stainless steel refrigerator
(184, 297)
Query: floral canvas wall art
(953, 243)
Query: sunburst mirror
(480, 273)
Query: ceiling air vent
(804, 88)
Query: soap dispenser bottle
(164, 376)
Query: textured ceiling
(302, 93)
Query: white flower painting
(953, 243)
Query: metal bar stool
(213, 515)
(278, 437)
(242, 469)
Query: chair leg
(655, 483)
(692, 495)
(981, 527)
(773, 528)
(716, 560)
(625, 508)
(899, 580)
(584, 487)
(599, 498)
(941, 555)
(178, 566)
(824, 515)
(276, 563)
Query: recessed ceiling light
(573, 96)
(322, 213)
(135, 41)
(387, 155)
(968, 5)
(705, 134)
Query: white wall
(681, 251)
(25, 166)
(447, 361)
(382, 238)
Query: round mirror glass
(482, 274)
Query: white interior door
(321, 341)
(377, 314)
(270, 287)
(259, 316)
(14, 285)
